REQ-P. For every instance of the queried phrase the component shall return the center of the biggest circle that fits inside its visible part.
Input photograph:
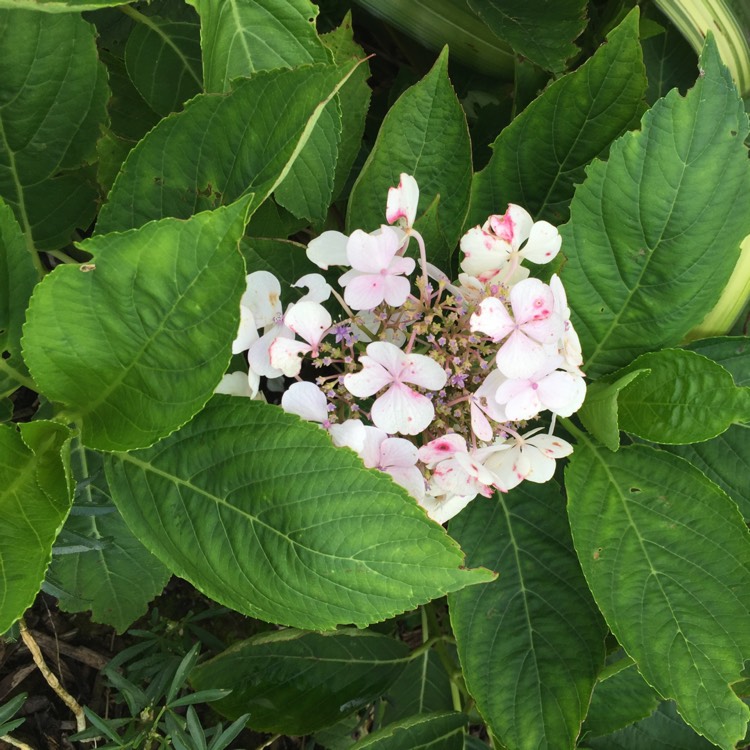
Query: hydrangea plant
(446, 419)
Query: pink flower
(532, 325)
(532, 457)
(400, 409)
(395, 456)
(403, 201)
(310, 321)
(377, 269)
(548, 388)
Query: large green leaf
(425, 135)
(667, 557)
(655, 230)
(731, 352)
(670, 62)
(163, 60)
(663, 730)
(35, 497)
(17, 280)
(354, 99)
(682, 398)
(53, 92)
(531, 643)
(116, 576)
(538, 30)
(222, 146)
(134, 343)
(260, 512)
(621, 697)
(297, 682)
(241, 37)
(540, 157)
(439, 731)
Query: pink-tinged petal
(263, 297)
(505, 468)
(493, 319)
(364, 292)
(424, 372)
(403, 201)
(372, 253)
(402, 410)
(345, 278)
(443, 508)
(309, 321)
(235, 384)
(547, 331)
(286, 355)
(520, 356)
(562, 392)
(401, 265)
(485, 396)
(474, 468)
(247, 334)
(520, 399)
(318, 289)
(349, 434)
(253, 380)
(328, 250)
(551, 445)
(396, 289)
(513, 226)
(484, 254)
(530, 300)
(258, 357)
(543, 244)
(305, 400)
(397, 452)
(369, 380)
(370, 453)
(388, 356)
(439, 449)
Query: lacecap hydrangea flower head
(435, 382)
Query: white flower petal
(562, 392)
(493, 319)
(403, 200)
(247, 334)
(424, 372)
(258, 357)
(372, 253)
(397, 452)
(318, 289)
(329, 249)
(402, 410)
(263, 297)
(369, 380)
(235, 384)
(520, 356)
(349, 434)
(543, 244)
(443, 508)
(286, 355)
(309, 321)
(305, 400)
(439, 449)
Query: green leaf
(440, 731)
(354, 99)
(116, 581)
(670, 62)
(619, 699)
(532, 642)
(307, 191)
(425, 135)
(731, 352)
(599, 412)
(725, 460)
(208, 155)
(683, 398)
(667, 557)
(423, 687)
(538, 30)
(163, 59)
(663, 730)
(35, 497)
(241, 37)
(62, 6)
(540, 157)
(134, 343)
(17, 280)
(655, 231)
(53, 91)
(260, 512)
(296, 682)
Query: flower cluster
(432, 381)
